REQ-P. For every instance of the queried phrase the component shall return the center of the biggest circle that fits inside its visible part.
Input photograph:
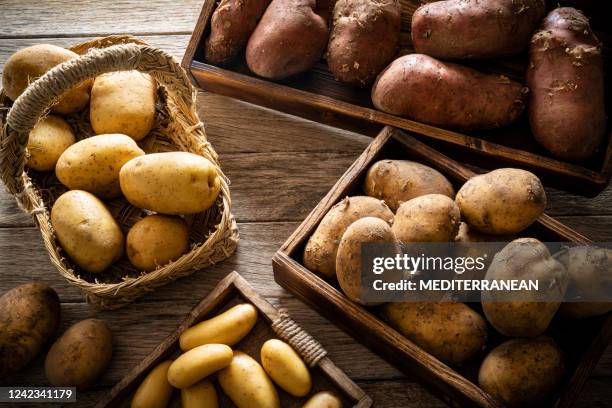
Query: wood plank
(60, 18)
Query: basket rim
(221, 239)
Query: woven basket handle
(41, 94)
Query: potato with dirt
(289, 39)
(522, 372)
(566, 78)
(501, 202)
(368, 230)
(28, 64)
(364, 39)
(524, 312)
(231, 26)
(475, 29)
(450, 331)
(427, 90)
(322, 248)
(397, 181)
(428, 218)
(29, 316)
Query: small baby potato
(170, 183)
(199, 395)
(80, 356)
(428, 218)
(227, 328)
(323, 399)
(348, 261)
(451, 332)
(28, 64)
(29, 316)
(155, 390)
(123, 102)
(198, 363)
(322, 247)
(503, 201)
(247, 384)
(397, 181)
(524, 259)
(93, 164)
(285, 367)
(86, 230)
(47, 141)
(157, 240)
(522, 372)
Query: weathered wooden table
(280, 167)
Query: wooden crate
(317, 96)
(234, 289)
(582, 342)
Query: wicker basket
(213, 233)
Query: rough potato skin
(29, 315)
(289, 39)
(501, 202)
(348, 260)
(451, 332)
(397, 181)
(422, 88)
(522, 372)
(80, 356)
(524, 258)
(322, 247)
(566, 78)
(462, 29)
(428, 218)
(364, 39)
(28, 64)
(231, 26)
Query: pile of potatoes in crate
(563, 90)
(408, 202)
(110, 165)
(29, 319)
(207, 355)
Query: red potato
(461, 29)
(364, 39)
(444, 94)
(231, 26)
(289, 39)
(566, 78)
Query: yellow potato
(198, 363)
(247, 384)
(155, 390)
(170, 183)
(504, 201)
(86, 230)
(428, 218)
(47, 141)
(285, 367)
(323, 399)
(397, 181)
(80, 356)
(123, 102)
(522, 372)
(227, 328)
(93, 164)
(199, 395)
(156, 240)
(452, 332)
(26, 65)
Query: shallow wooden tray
(316, 95)
(582, 343)
(234, 289)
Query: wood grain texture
(277, 150)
